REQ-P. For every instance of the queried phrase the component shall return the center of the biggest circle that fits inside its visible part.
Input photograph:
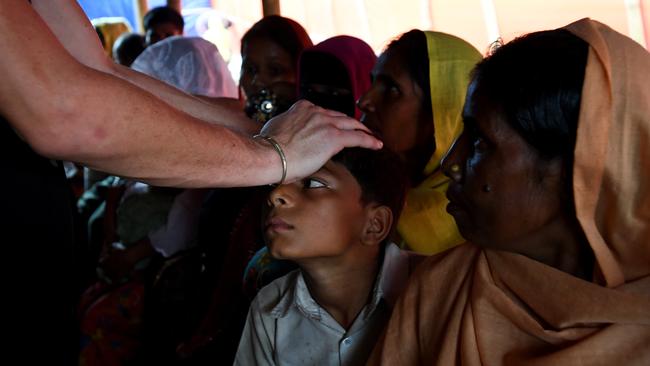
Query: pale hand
(311, 135)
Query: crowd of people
(429, 205)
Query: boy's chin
(275, 251)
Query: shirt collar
(391, 280)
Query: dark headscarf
(355, 55)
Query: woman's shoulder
(447, 267)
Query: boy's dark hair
(163, 14)
(284, 32)
(380, 174)
(412, 48)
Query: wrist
(278, 152)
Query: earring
(455, 168)
(487, 188)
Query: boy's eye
(314, 183)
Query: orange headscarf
(474, 306)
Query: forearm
(69, 23)
(218, 112)
(147, 140)
(68, 111)
(165, 147)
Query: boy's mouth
(276, 224)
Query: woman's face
(502, 194)
(324, 81)
(393, 107)
(266, 65)
(161, 31)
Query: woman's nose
(453, 163)
(365, 103)
(259, 80)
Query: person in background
(109, 29)
(190, 64)
(270, 51)
(127, 48)
(160, 23)
(549, 185)
(415, 106)
(335, 73)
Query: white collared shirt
(286, 326)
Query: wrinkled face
(320, 216)
(266, 65)
(161, 31)
(502, 194)
(393, 107)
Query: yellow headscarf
(425, 226)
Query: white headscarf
(191, 64)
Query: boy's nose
(279, 196)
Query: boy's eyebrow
(326, 170)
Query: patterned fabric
(190, 64)
(111, 324)
(263, 269)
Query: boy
(334, 225)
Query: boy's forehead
(332, 167)
(337, 170)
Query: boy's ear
(378, 223)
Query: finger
(332, 113)
(356, 138)
(347, 123)
(302, 103)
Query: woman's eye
(276, 70)
(390, 88)
(479, 142)
(314, 183)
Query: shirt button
(347, 341)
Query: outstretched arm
(67, 21)
(67, 110)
